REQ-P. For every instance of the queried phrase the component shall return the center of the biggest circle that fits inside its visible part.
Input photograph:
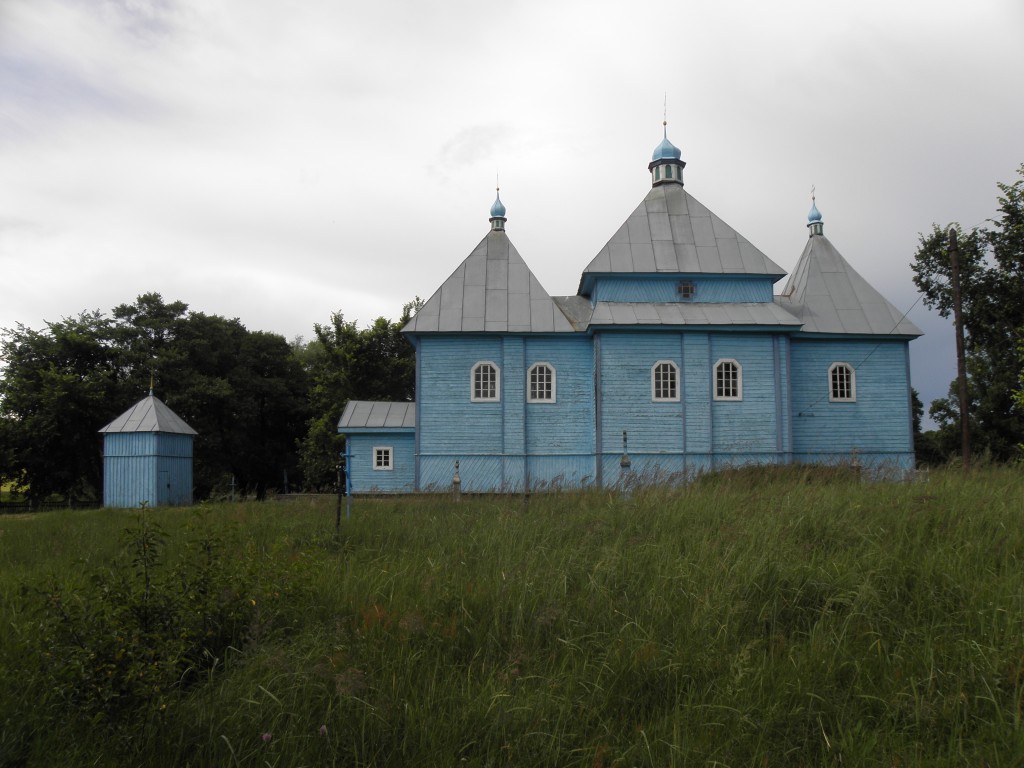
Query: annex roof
(149, 415)
(672, 232)
(369, 414)
(705, 313)
(828, 296)
(491, 291)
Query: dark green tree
(347, 363)
(992, 289)
(59, 387)
(245, 393)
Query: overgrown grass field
(790, 617)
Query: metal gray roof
(491, 291)
(829, 296)
(369, 414)
(149, 415)
(679, 313)
(670, 231)
(576, 308)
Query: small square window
(382, 458)
(686, 290)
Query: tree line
(265, 409)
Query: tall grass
(757, 617)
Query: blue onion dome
(498, 209)
(666, 150)
(815, 215)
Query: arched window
(485, 383)
(842, 383)
(665, 381)
(540, 383)
(728, 380)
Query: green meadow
(796, 617)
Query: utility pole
(961, 364)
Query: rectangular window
(382, 458)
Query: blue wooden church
(675, 341)
(147, 457)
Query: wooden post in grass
(456, 484)
(961, 364)
(337, 512)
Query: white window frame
(473, 398)
(739, 379)
(553, 390)
(852, 398)
(385, 452)
(676, 379)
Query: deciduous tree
(992, 287)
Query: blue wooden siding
(665, 288)
(626, 404)
(154, 468)
(877, 426)
(603, 387)
(697, 392)
(745, 431)
(668, 439)
(510, 445)
(560, 435)
(363, 478)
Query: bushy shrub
(116, 648)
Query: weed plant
(756, 617)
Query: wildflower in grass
(323, 730)
(267, 737)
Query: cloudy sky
(277, 161)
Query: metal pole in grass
(456, 484)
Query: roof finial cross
(812, 193)
(664, 118)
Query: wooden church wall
(509, 444)
(360, 460)
(877, 424)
